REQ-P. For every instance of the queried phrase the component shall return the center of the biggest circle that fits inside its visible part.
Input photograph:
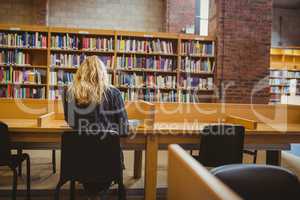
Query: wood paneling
(187, 179)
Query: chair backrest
(221, 145)
(4, 143)
(259, 182)
(90, 157)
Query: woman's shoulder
(113, 91)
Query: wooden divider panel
(188, 179)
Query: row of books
(146, 46)
(148, 95)
(197, 83)
(61, 78)
(24, 40)
(197, 48)
(197, 66)
(284, 74)
(5, 75)
(65, 41)
(28, 92)
(14, 57)
(156, 62)
(65, 78)
(29, 76)
(279, 82)
(74, 42)
(152, 81)
(280, 90)
(102, 44)
(55, 94)
(189, 98)
(5, 91)
(74, 60)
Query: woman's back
(110, 114)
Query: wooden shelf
(196, 89)
(64, 68)
(29, 84)
(81, 51)
(23, 48)
(143, 70)
(58, 85)
(143, 88)
(41, 57)
(196, 56)
(4, 84)
(29, 66)
(109, 70)
(197, 73)
(145, 53)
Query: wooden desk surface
(27, 131)
(54, 126)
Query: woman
(92, 104)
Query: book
(146, 46)
(16, 57)
(197, 48)
(55, 94)
(197, 66)
(168, 96)
(23, 40)
(5, 75)
(98, 43)
(5, 91)
(148, 81)
(61, 77)
(190, 98)
(28, 92)
(153, 63)
(77, 42)
(196, 83)
(74, 60)
(65, 41)
(29, 76)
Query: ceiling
(291, 4)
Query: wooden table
(26, 134)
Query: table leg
(138, 163)
(151, 167)
(273, 158)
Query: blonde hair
(90, 81)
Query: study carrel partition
(188, 179)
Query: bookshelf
(164, 67)
(23, 62)
(284, 69)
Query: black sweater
(108, 115)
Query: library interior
(150, 99)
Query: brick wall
(179, 13)
(244, 37)
(290, 35)
(137, 15)
(23, 12)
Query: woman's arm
(65, 104)
(121, 114)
